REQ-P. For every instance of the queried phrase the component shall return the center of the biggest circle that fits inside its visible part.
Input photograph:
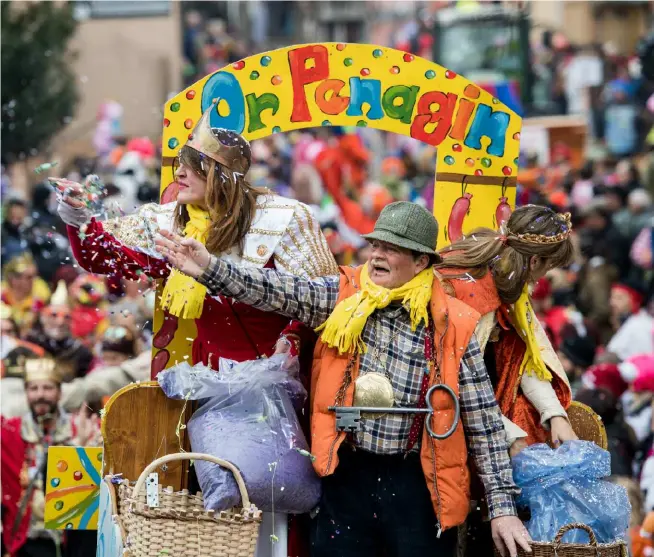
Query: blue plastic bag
(565, 485)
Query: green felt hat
(407, 225)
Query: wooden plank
(139, 425)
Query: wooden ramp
(141, 424)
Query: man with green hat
(388, 333)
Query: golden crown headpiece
(41, 369)
(223, 146)
(19, 264)
(566, 228)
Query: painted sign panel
(73, 488)
(336, 84)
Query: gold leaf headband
(566, 225)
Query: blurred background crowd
(581, 73)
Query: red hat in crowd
(542, 289)
(635, 296)
(605, 376)
(640, 369)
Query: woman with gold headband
(491, 272)
(245, 225)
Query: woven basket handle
(575, 526)
(195, 456)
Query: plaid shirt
(401, 357)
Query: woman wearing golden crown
(240, 223)
(491, 272)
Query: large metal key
(348, 418)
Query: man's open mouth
(380, 269)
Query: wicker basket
(179, 526)
(559, 549)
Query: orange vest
(444, 463)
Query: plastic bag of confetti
(565, 485)
(198, 382)
(250, 420)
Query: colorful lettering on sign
(432, 115)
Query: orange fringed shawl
(482, 296)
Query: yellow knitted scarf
(183, 296)
(343, 328)
(522, 315)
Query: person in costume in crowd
(625, 300)
(245, 225)
(23, 291)
(491, 272)
(12, 385)
(89, 318)
(23, 455)
(105, 381)
(52, 332)
(388, 332)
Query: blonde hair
(531, 231)
(230, 200)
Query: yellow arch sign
(477, 138)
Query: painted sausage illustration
(503, 212)
(457, 215)
(170, 193)
(159, 363)
(165, 335)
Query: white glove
(73, 216)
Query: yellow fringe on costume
(183, 296)
(522, 316)
(343, 328)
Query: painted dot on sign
(188, 123)
(326, 123)
(362, 123)
(190, 136)
(265, 61)
(54, 482)
(166, 122)
(238, 65)
(430, 74)
(77, 475)
(347, 61)
(364, 72)
(449, 74)
(486, 162)
(340, 46)
(99, 457)
(479, 172)
(449, 160)
(276, 129)
(507, 170)
(408, 57)
(495, 101)
(471, 91)
(175, 107)
(516, 161)
(190, 95)
(276, 79)
(378, 53)
(254, 75)
(516, 135)
(62, 466)
(59, 505)
(69, 526)
(470, 162)
(457, 148)
(173, 143)
(395, 70)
